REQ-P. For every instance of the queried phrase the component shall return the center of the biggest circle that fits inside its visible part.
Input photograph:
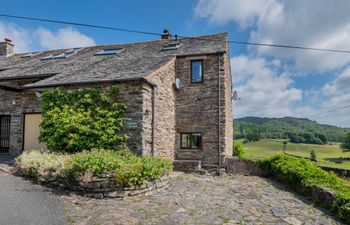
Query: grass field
(327, 155)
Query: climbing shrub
(238, 150)
(301, 172)
(78, 120)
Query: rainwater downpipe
(219, 114)
(153, 119)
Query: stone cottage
(178, 93)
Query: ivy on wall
(77, 120)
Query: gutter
(87, 82)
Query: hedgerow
(300, 172)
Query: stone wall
(164, 79)
(17, 104)
(227, 126)
(197, 108)
(132, 93)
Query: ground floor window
(191, 140)
(5, 122)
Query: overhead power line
(79, 24)
(328, 111)
(180, 36)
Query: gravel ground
(23, 203)
(195, 199)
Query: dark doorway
(5, 122)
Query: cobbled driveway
(195, 199)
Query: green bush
(36, 164)
(300, 172)
(127, 168)
(238, 150)
(78, 120)
(345, 145)
(313, 156)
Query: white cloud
(339, 86)
(312, 23)
(19, 36)
(26, 40)
(223, 11)
(262, 90)
(62, 38)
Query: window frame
(190, 147)
(191, 71)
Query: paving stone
(293, 221)
(196, 199)
(278, 211)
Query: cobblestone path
(195, 199)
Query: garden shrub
(238, 150)
(37, 164)
(300, 172)
(78, 120)
(128, 168)
(313, 156)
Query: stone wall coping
(100, 185)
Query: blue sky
(271, 82)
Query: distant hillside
(276, 128)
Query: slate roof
(136, 61)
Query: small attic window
(63, 55)
(29, 55)
(172, 46)
(47, 57)
(110, 51)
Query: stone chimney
(6, 48)
(166, 35)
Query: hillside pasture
(327, 155)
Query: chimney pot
(6, 48)
(166, 35)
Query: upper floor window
(196, 71)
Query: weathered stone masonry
(145, 74)
(197, 108)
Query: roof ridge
(129, 43)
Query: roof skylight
(29, 55)
(172, 46)
(110, 51)
(63, 55)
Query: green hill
(277, 128)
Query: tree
(253, 136)
(345, 146)
(81, 120)
(313, 156)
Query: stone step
(192, 166)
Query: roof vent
(166, 35)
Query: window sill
(190, 149)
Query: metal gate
(5, 122)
